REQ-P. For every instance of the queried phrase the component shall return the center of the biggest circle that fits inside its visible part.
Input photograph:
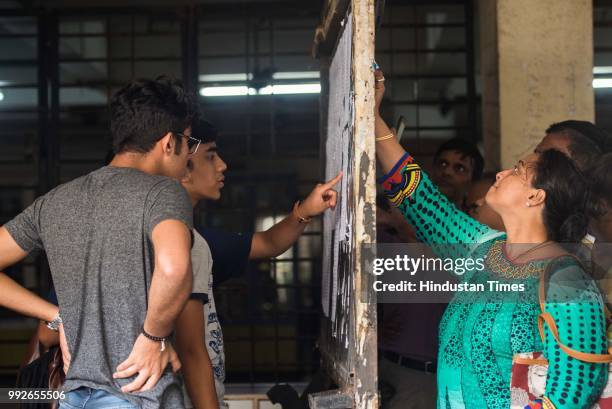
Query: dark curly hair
(144, 110)
(204, 131)
(565, 212)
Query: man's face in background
(452, 173)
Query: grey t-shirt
(96, 231)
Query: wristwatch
(55, 323)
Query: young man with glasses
(118, 243)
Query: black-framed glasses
(192, 143)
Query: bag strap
(546, 318)
(529, 361)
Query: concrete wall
(537, 68)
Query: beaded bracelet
(155, 339)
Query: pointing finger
(332, 182)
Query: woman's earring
(528, 204)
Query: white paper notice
(340, 122)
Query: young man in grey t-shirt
(118, 244)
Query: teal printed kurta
(481, 331)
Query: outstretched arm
(280, 237)
(435, 218)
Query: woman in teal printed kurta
(541, 202)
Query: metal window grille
(426, 50)
(67, 62)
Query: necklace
(500, 265)
(539, 246)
